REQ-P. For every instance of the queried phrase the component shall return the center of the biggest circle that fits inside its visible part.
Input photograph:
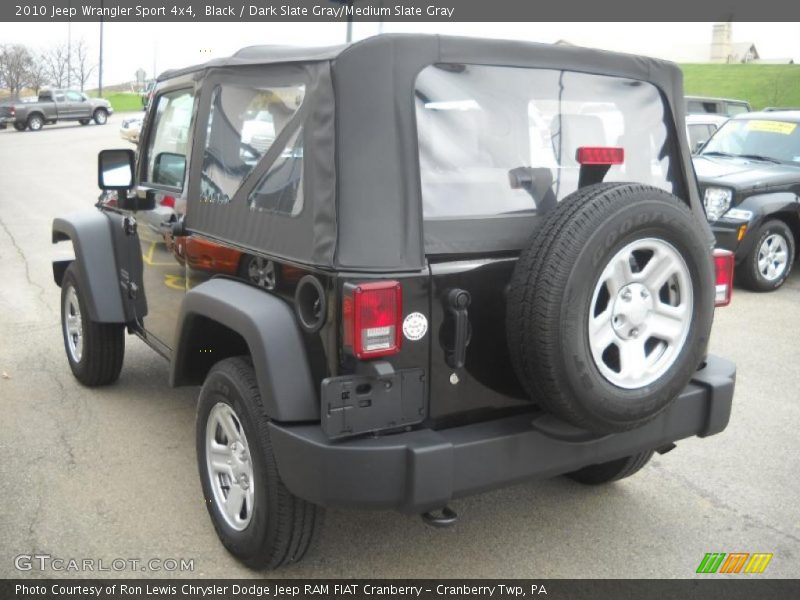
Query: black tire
(103, 344)
(84, 121)
(613, 470)
(265, 273)
(100, 116)
(552, 290)
(749, 273)
(35, 122)
(282, 527)
(20, 126)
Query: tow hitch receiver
(445, 517)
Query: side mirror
(169, 169)
(115, 169)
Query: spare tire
(610, 306)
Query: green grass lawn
(122, 101)
(760, 85)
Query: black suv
(489, 263)
(749, 175)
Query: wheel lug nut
(634, 333)
(626, 295)
(645, 295)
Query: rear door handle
(457, 303)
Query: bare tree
(56, 65)
(16, 62)
(37, 74)
(83, 67)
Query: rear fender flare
(268, 326)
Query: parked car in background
(699, 128)
(130, 129)
(781, 108)
(749, 175)
(716, 106)
(53, 106)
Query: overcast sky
(130, 46)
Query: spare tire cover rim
(641, 313)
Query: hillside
(761, 85)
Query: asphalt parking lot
(110, 473)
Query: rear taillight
(12, 111)
(723, 264)
(168, 201)
(371, 315)
(600, 155)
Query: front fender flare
(767, 205)
(90, 233)
(269, 328)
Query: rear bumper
(424, 469)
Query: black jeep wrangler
(749, 175)
(489, 259)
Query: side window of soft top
(247, 125)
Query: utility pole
(350, 22)
(100, 61)
(69, 46)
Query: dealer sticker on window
(415, 325)
(771, 126)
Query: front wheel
(100, 116)
(770, 261)
(256, 517)
(84, 121)
(95, 351)
(613, 470)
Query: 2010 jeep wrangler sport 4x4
(483, 262)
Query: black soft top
(363, 209)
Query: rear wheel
(613, 470)
(20, 126)
(771, 259)
(256, 517)
(95, 351)
(610, 307)
(100, 116)
(35, 122)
